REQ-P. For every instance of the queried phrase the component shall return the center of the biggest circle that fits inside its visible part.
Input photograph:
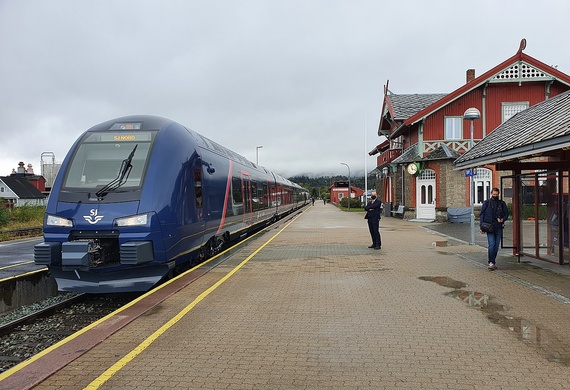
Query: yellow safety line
(37, 356)
(105, 376)
(16, 265)
(21, 275)
(32, 359)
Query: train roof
(149, 122)
(153, 122)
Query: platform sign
(471, 172)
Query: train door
(188, 209)
(247, 198)
(278, 195)
(272, 195)
(266, 195)
(198, 195)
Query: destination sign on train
(123, 137)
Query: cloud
(302, 78)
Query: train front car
(111, 210)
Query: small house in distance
(339, 190)
(22, 187)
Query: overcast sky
(302, 78)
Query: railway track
(20, 233)
(34, 330)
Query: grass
(20, 218)
(352, 209)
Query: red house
(427, 132)
(37, 181)
(339, 190)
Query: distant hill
(327, 181)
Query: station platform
(309, 306)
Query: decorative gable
(521, 71)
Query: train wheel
(218, 244)
(214, 246)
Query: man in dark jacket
(373, 216)
(495, 212)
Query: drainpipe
(547, 94)
(403, 174)
(483, 110)
(421, 146)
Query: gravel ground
(30, 339)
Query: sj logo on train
(93, 218)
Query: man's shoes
(371, 246)
(377, 247)
(492, 267)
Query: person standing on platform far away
(495, 212)
(373, 216)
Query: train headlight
(54, 220)
(133, 220)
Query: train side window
(265, 196)
(236, 190)
(198, 188)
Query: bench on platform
(399, 212)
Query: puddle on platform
(531, 334)
(444, 281)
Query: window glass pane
(198, 188)
(453, 127)
(100, 157)
(510, 109)
(236, 190)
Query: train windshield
(100, 159)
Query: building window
(1, 189)
(453, 127)
(482, 184)
(510, 109)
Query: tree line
(318, 187)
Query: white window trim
(456, 134)
(485, 177)
(506, 105)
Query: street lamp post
(471, 114)
(257, 154)
(349, 189)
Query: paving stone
(317, 309)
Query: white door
(425, 195)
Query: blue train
(140, 197)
